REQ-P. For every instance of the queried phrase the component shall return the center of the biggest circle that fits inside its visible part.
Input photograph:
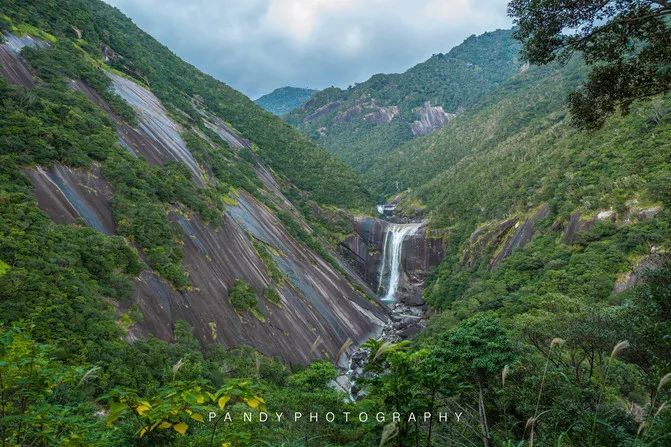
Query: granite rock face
(576, 225)
(648, 263)
(431, 118)
(319, 309)
(524, 232)
(154, 121)
(70, 195)
(502, 239)
(323, 110)
(12, 66)
(382, 115)
(367, 109)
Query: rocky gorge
(394, 256)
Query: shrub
(272, 295)
(242, 296)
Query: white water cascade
(392, 256)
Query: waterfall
(384, 261)
(391, 262)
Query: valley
(451, 239)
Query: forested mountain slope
(363, 123)
(284, 99)
(109, 35)
(138, 192)
(538, 211)
(558, 237)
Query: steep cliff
(421, 252)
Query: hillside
(562, 237)
(125, 47)
(139, 192)
(487, 172)
(363, 123)
(284, 99)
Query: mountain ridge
(362, 123)
(283, 100)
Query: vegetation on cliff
(178, 84)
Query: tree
(478, 349)
(242, 296)
(37, 394)
(627, 43)
(177, 406)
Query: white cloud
(258, 45)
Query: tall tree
(626, 42)
(478, 349)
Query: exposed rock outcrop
(369, 111)
(137, 141)
(631, 278)
(524, 232)
(431, 118)
(12, 66)
(323, 110)
(576, 225)
(68, 195)
(485, 237)
(501, 239)
(154, 121)
(382, 115)
(421, 252)
(226, 133)
(220, 127)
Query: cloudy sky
(259, 45)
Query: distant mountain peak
(283, 100)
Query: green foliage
(52, 124)
(478, 348)
(530, 155)
(242, 296)
(272, 295)
(230, 168)
(493, 353)
(285, 99)
(143, 196)
(316, 376)
(59, 275)
(39, 397)
(502, 159)
(65, 58)
(263, 251)
(409, 381)
(162, 418)
(628, 45)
